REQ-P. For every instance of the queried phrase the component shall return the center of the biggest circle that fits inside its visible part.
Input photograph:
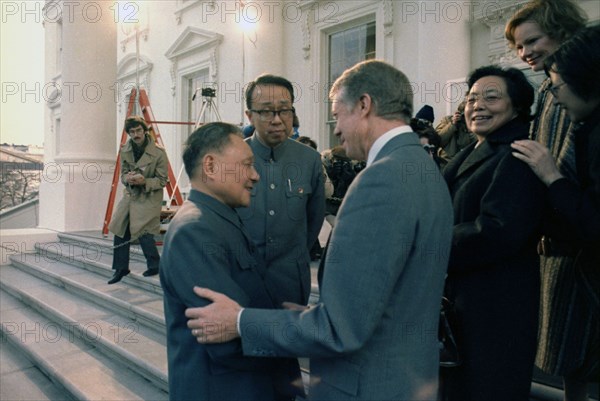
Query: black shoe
(150, 272)
(119, 274)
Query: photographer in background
(144, 173)
(341, 170)
(428, 137)
(454, 135)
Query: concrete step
(142, 348)
(94, 259)
(76, 360)
(21, 380)
(132, 302)
(59, 297)
(93, 241)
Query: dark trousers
(121, 251)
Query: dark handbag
(449, 353)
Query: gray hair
(387, 86)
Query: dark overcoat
(493, 274)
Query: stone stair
(75, 336)
(68, 335)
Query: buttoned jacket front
(286, 214)
(207, 246)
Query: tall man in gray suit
(373, 334)
(207, 245)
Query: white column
(80, 149)
(441, 58)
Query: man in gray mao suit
(373, 334)
(206, 244)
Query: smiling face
(577, 108)
(348, 127)
(488, 106)
(233, 175)
(533, 45)
(271, 97)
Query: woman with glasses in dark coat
(493, 273)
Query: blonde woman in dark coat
(576, 204)
(535, 32)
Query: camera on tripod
(206, 92)
(209, 92)
(208, 111)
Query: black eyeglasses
(269, 115)
(554, 88)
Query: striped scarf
(552, 128)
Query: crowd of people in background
(505, 224)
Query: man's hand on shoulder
(215, 323)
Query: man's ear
(209, 165)
(365, 103)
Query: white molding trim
(495, 15)
(185, 6)
(306, 27)
(388, 17)
(131, 37)
(190, 42)
(55, 94)
(126, 69)
(202, 38)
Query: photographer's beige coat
(140, 206)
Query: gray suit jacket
(373, 335)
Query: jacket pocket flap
(298, 189)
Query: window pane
(347, 48)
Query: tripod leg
(201, 114)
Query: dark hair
(519, 89)
(577, 62)
(425, 129)
(387, 86)
(559, 19)
(267, 79)
(134, 121)
(211, 137)
(307, 141)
